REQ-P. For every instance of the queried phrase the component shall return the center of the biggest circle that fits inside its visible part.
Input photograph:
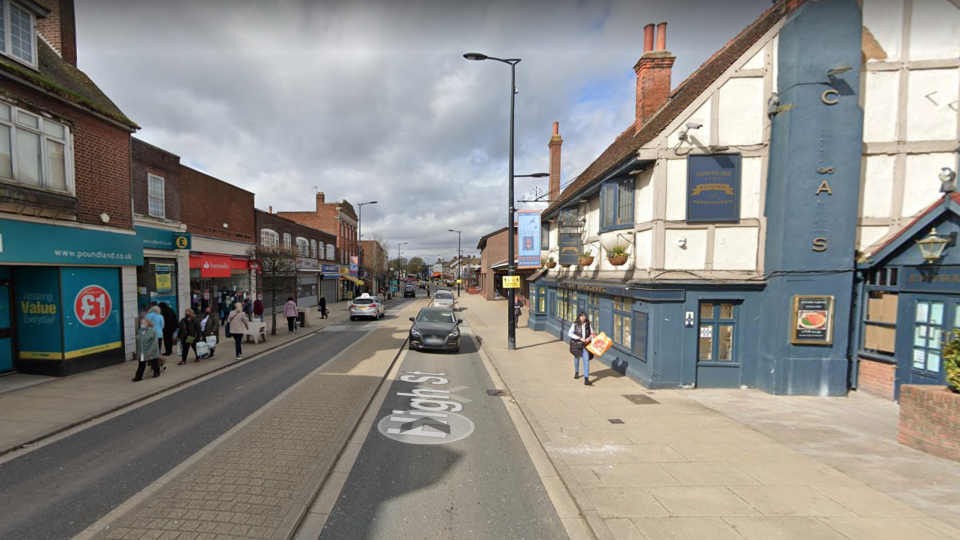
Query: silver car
(444, 299)
(366, 306)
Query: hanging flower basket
(618, 260)
(551, 264)
(585, 261)
(564, 266)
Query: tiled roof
(632, 139)
(881, 244)
(66, 81)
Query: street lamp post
(398, 263)
(511, 267)
(360, 240)
(459, 261)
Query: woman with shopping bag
(580, 335)
(210, 328)
(236, 327)
(189, 334)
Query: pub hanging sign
(713, 188)
(812, 320)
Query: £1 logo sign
(92, 306)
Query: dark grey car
(435, 328)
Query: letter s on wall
(829, 97)
(819, 244)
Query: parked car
(366, 306)
(409, 291)
(444, 299)
(435, 328)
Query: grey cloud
(372, 100)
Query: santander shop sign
(212, 265)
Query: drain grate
(641, 399)
(498, 393)
(615, 421)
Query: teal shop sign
(26, 242)
(37, 298)
(163, 239)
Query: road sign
(511, 282)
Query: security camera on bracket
(686, 128)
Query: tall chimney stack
(653, 74)
(555, 143)
(321, 199)
(59, 28)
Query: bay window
(18, 38)
(34, 151)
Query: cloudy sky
(372, 100)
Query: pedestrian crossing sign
(511, 282)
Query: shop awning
(351, 278)
(436, 274)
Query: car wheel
(353, 318)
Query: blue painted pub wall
(811, 231)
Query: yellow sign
(182, 241)
(458, 281)
(511, 282)
(164, 283)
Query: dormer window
(18, 37)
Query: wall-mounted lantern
(932, 246)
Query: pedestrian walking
(580, 335)
(148, 349)
(154, 316)
(248, 308)
(169, 327)
(258, 308)
(237, 326)
(189, 334)
(291, 313)
(517, 311)
(210, 326)
(323, 307)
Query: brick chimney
(59, 28)
(321, 199)
(653, 73)
(555, 143)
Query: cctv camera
(694, 125)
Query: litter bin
(302, 317)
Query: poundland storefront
(61, 296)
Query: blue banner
(713, 188)
(37, 299)
(67, 245)
(330, 270)
(354, 266)
(528, 234)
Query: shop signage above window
(569, 248)
(812, 320)
(213, 266)
(66, 245)
(330, 270)
(304, 263)
(713, 188)
(930, 278)
(163, 239)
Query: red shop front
(217, 279)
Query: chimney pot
(270, 209)
(662, 36)
(556, 128)
(648, 38)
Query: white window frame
(331, 252)
(287, 240)
(14, 124)
(151, 178)
(303, 246)
(269, 238)
(313, 249)
(321, 250)
(7, 48)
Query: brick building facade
(493, 265)
(312, 247)
(74, 196)
(338, 218)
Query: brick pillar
(555, 143)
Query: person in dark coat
(323, 307)
(169, 327)
(210, 326)
(189, 334)
(580, 335)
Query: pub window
(545, 236)
(593, 311)
(560, 304)
(572, 307)
(880, 318)
(616, 204)
(623, 322)
(541, 299)
(718, 324)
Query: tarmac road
(58, 490)
(483, 485)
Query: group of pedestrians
(159, 329)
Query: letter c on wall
(830, 96)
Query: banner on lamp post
(528, 235)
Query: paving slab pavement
(259, 481)
(709, 464)
(34, 407)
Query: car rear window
(435, 317)
(363, 301)
(444, 296)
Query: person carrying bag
(580, 335)
(237, 326)
(189, 333)
(210, 328)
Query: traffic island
(930, 420)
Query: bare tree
(376, 259)
(278, 273)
